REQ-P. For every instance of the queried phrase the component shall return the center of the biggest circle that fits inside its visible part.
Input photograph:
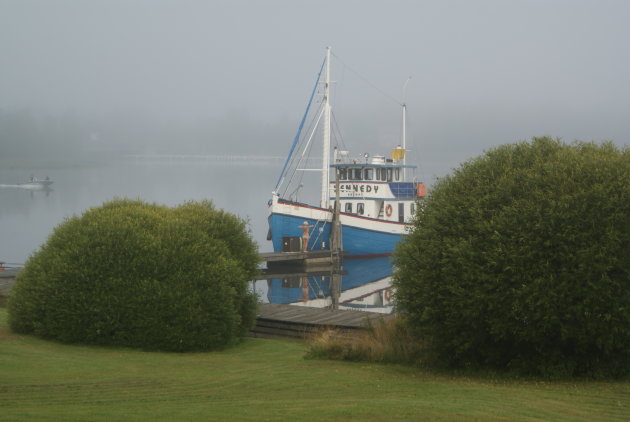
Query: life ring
(388, 294)
(388, 210)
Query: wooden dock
(266, 274)
(301, 260)
(275, 320)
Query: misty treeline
(27, 133)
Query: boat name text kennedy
(349, 189)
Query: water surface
(236, 184)
(28, 216)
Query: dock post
(336, 241)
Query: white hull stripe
(320, 214)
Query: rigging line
(341, 142)
(300, 174)
(312, 127)
(310, 138)
(299, 182)
(297, 135)
(295, 159)
(309, 146)
(336, 88)
(366, 80)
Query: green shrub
(135, 274)
(520, 260)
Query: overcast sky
(484, 72)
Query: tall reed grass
(387, 341)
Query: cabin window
(360, 208)
(357, 174)
(389, 175)
(413, 208)
(368, 174)
(401, 212)
(383, 175)
(343, 173)
(397, 174)
(349, 207)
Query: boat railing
(316, 228)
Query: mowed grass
(269, 380)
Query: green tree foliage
(141, 275)
(521, 260)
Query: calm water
(360, 284)
(241, 186)
(27, 217)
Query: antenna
(404, 127)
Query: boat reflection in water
(359, 284)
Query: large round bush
(521, 260)
(141, 275)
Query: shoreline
(7, 279)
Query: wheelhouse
(376, 188)
(371, 172)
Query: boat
(364, 209)
(36, 183)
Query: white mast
(404, 139)
(404, 129)
(325, 199)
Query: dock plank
(294, 256)
(317, 316)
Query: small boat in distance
(34, 183)
(365, 209)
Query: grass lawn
(269, 380)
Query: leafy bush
(520, 260)
(141, 275)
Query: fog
(210, 77)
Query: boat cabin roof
(385, 165)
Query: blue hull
(356, 241)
